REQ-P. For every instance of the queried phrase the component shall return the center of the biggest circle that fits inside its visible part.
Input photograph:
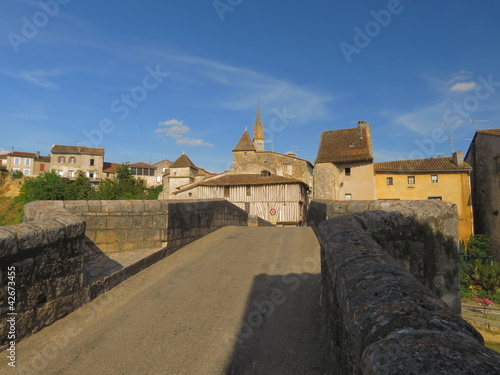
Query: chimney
(364, 128)
(37, 155)
(458, 159)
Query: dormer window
(265, 173)
(351, 144)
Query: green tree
(47, 186)
(80, 189)
(478, 245)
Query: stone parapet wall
(378, 318)
(422, 238)
(44, 256)
(46, 252)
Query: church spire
(258, 132)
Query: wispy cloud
(177, 130)
(37, 77)
(463, 86)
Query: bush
(47, 186)
(16, 175)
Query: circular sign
(272, 211)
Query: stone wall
(423, 239)
(379, 318)
(44, 256)
(46, 251)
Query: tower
(258, 132)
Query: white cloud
(37, 77)
(464, 86)
(177, 129)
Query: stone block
(118, 222)
(8, 242)
(76, 207)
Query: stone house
(270, 185)
(484, 157)
(343, 169)
(31, 164)
(67, 160)
(443, 178)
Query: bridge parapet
(47, 250)
(390, 290)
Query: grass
(11, 211)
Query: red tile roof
(61, 149)
(420, 165)
(344, 146)
(22, 154)
(110, 167)
(141, 164)
(245, 143)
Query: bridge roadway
(242, 300)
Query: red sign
(272, 211)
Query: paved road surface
(239, 301)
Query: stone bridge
(367, 288)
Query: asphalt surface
(239, 301)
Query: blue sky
(149, 80)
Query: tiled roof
(420, 165)
(182, 162)
(22, 154)
(3, 156)
(141, 164)
(245, 143)
(45, 159)
(489, 131)
(60, 149)
(344, 146)
(249, 179)
(110, 167)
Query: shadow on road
(280, 331)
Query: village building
(343, 169)
(443, 178)
(67, 160)
(484, 157)
(31, 164)
(162, 169)
(269, 185)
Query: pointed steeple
(258, 132)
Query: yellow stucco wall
(452, 187)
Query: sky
(150, 80)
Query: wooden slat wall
(287, 199)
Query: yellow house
(444, 178)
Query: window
(434, 178)
(91, 174)
(71, 174)
(435, 198)
(265, 173)
(390, 181)
(190, 194)
(60, 173)
(164, 170)
(411, 180)
(26, 172)
(27, 161)
(92, 161)
(17, 161)
(15, 169)
(351, 144)
(151, 172)
(72, 160)
(226, 191)
(245, 153)
(348, 197)
(266, 162)
(348, 171)
(60, 159)
(249, 191)
(158, 178)
(247, 207)
(42, 167)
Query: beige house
(146, 172)
(484, 157)
(31, 164)
(344, 166)
(67, 160)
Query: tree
(47, 186)
(79, 189)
